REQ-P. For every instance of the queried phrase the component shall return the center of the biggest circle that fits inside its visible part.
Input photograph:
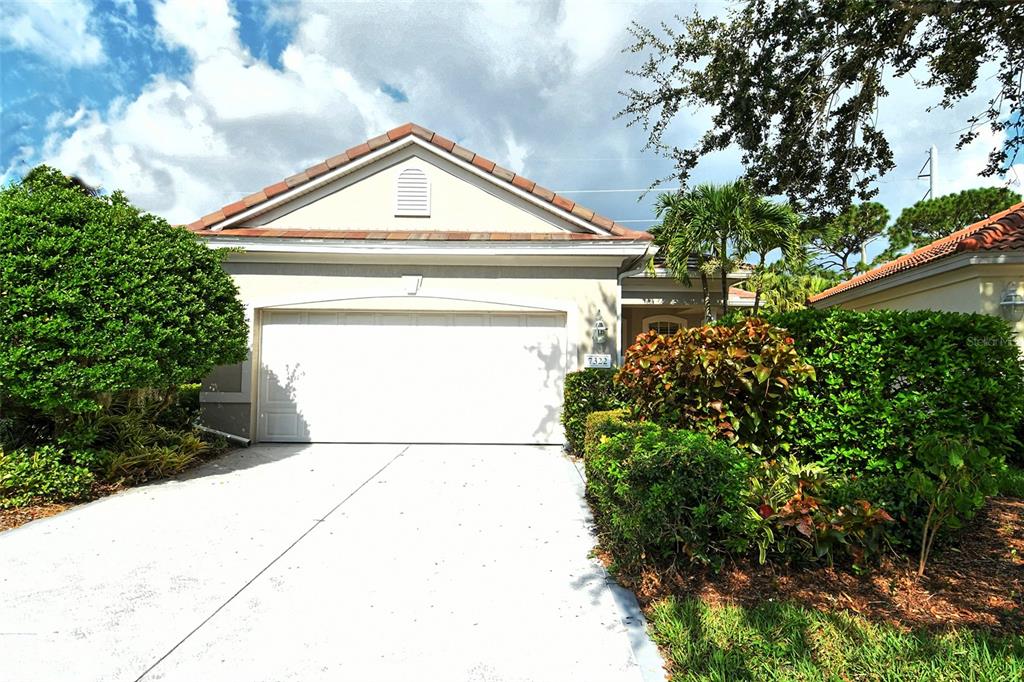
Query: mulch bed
(19, 516)
(12, 518)
(977, 581)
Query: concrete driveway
(325, 562)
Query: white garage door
(411, 377)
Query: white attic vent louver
(412, 193)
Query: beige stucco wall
(460, 201)
(582, 293)
(971, 289)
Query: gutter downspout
(237, 440)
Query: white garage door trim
(412, 375)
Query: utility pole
(932, 164)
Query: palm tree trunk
(760, 282)
(725, 284)
(707, 296)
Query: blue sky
(190, 104)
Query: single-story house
(979, 269)
(411, 290)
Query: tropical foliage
(796, 86)
(718, 226)
(728, 380)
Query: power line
(608, 191)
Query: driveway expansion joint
(273, 561)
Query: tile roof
(741, 294)
(203, 225)
(406, 235)
(1000, 232)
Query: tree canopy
(796, 86)
(97, 297)
(844, 236)
(931, 219)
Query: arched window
(663, 324)
(412, 193)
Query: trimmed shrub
(44, 474)
(586, 391)
(660, 494)
(731, 381)
(602, 424)
(887, 379)
(98, 297)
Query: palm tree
(771, 225)
(681, 235)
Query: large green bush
(732, 381)
(587, 391)
(98, 297)
(887, 379)
(44, 474)
(660, 494)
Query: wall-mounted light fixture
(599, 333)
(1011, 303)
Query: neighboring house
(979, 269)
(411, 290)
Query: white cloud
(532, 86)
(57, 31)
(203, 27)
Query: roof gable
(451, 197)
(1000, 232)
(240, 214)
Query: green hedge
(659, 494)
(586, 391)
(887, 379)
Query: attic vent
(412, 193)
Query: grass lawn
(782, 641)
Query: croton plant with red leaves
(728, 380)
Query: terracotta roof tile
(411, 129)
(396, 235)
(297, 179)
(582, 212)
(318, 169)
(503, 173)
(212, 218)
(232, 209)
(275, 189)
(399, 132)
(563, 203)
(523, 183)
(253, 199)
(442, 142)
(543, 192)
(1002, 231)
(357, 151)
(378, 142)
(483, 163)
(463, 153)
(420, 131)
(339, 160)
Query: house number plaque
(597, 360)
